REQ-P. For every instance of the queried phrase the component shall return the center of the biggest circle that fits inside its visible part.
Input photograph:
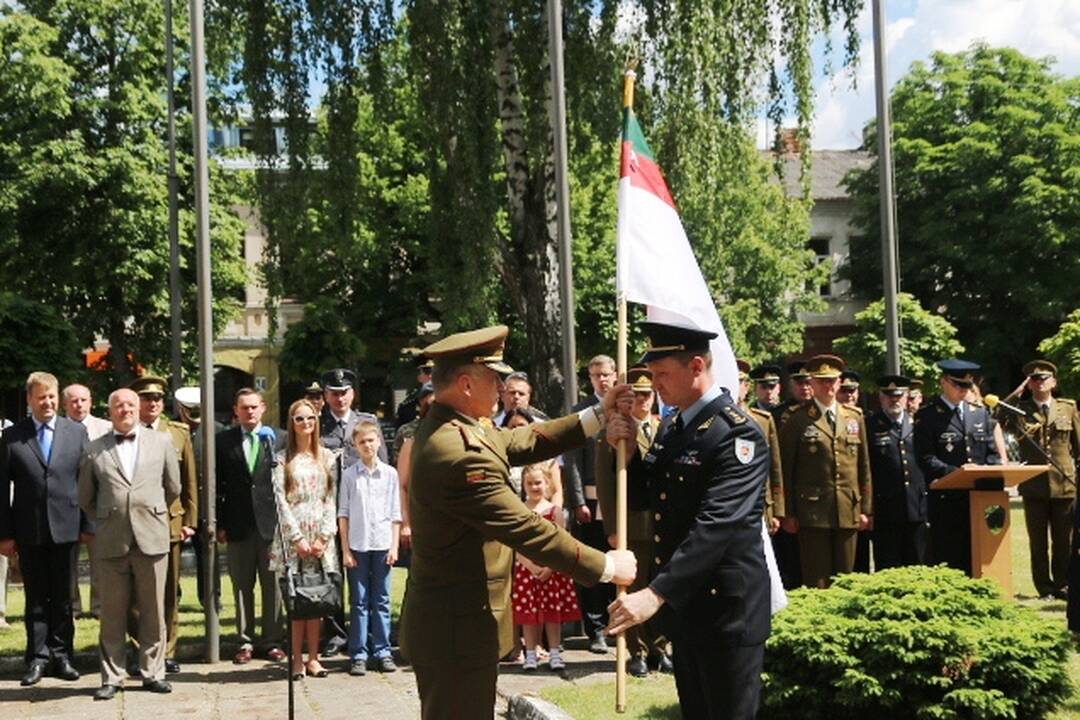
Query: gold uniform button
(712, 591)
(656, 516)
(656, 538)
(657, 561)
(663, 496)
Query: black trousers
(898, 544)
(594, 600)
(717, 680)
(786, 549)
(862, 552)
(950, 529)
(50, 629)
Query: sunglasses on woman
(303, 419)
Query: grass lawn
(13, 641)
(654, 698)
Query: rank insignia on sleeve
(705, 425)
(744, 450)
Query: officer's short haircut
(684, 358)
(364, 426)
(43, 379)
(246, 391)
(602, 360)
(447, 371)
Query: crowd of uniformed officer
(850, 477)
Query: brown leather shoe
(242, 657)
(275, 654)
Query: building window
(820, 246)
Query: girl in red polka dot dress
(542, 598)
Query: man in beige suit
(128, 479)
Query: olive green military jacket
(1058, 433)
(774, 493)
(466, 523)
(639, 523)
(826, 470)
(184, 510)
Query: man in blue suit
(39, 458)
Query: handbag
(310, 594)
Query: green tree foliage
(1063, 349)
(909, 643)
(25, 348)
(986, 147)
(83, 214)
(480, 118)
(925, 339)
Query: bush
(915, 642)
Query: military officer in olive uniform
(1051, 430)
(827, 486)
(951, 432)
(467, 522)
(800, 391)
(646, 642)
(901, 530)
(766, 379)
(774, 495)
(704, 480)
(183, 512)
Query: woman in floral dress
(305, 494)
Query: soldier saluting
(467, 521)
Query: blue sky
(918, 27)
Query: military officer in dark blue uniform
(901, 531)
(950, 432)
(704, 481)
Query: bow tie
(124, 438)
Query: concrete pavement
(260, 690)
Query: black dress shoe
(62, 669)
(33, 674)
(637, 667)
(665, 665)
(157, 686)
(598, 645)
(133, 669)
(171, 666)
(106, 692)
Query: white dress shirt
(128, 451)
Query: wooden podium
(988, 509)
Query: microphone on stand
(992, 401)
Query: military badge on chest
(949, 440)
(654, 452)
(811, 436)
(690, 457)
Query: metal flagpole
(889, 259)
(562, 191)
(174, 221)
(206, 327)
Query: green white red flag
(655, 265)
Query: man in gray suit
(39, 460)
(128, 479)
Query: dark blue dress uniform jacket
(899, 484)
(705, 486)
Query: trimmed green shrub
(918, 642)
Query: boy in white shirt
(369, 523)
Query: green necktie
(253, 452)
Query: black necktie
(677, 424)
(831, 417)
(1045, 410)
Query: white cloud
(1038, 28)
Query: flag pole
(620, 456)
